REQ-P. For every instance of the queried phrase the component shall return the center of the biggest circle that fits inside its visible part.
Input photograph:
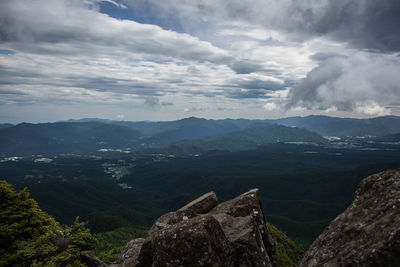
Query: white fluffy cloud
(271, 106)
(215, 58)
(364, 83)
(73, 28)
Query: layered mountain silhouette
(334, 126)
(188, 135)
(64, 137)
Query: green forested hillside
(30, 237)
(259, 134)
(110, 244)
(64, 137)
(287, 253)
(303, 187)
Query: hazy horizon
(188, 117)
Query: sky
(170, 59)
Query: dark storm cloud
(151, 101)
(324, 56)
(254, 83)
(366, 24)
(251, 87)
(246, 67)
(245, 94)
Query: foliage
(301, 192)
(20, 219)
(111, 243)
(286, 252)
(30, 237)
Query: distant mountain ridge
(333, 126)
(64, 137)
(256, 135)
(189, 134)
(323, 125)
(5, 125)
(164, 133)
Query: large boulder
(198, 206)
(129, 256)
(243, 223)
(202, 233)
(368, 232)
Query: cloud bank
(366, 24)
(365, 83)
(247, 58)
(68, 26)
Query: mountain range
(72, 168)
(334, 126)
(190, 134)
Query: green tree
(287, 253)
(30, 237)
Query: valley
(304, 180)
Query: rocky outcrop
(368, 232)
(202, 233)
(234, 233)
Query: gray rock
(234, 233)
(368, 232)
(202, 234)
(196, 242)
(129, 256)
(202, 204)
(198, 206)
(243, 223)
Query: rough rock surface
(202, 234)
(368, 232)
(130, 253)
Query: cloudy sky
(170, 59)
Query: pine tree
(30, 237)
